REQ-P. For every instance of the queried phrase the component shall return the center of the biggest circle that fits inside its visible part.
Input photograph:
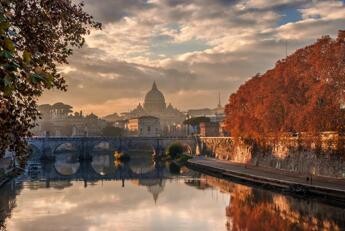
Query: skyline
(191, 50)
(153, 97)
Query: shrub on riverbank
(175, 150)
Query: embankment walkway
(325, 187)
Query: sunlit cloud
(112, 206)
(187, 46)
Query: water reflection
(255, 209)
(102, 163)
(7, 202)
(143, 195)
(67, 164)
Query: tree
(175, 150)
(303, 93)
(35, 37)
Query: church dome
(154, 100)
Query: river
(143, 195)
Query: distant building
(215, 114)
(58, 120)
(201, 112)
(170, 118)
(209, 129)
(121, 124)
(112, 117)
(144, 126)
(212, 121)
(222, 129)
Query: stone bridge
(49, 147)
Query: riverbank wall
(321, 156)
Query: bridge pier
(46, 151)
(159, 151)
(84, 154)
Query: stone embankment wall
(322, 156)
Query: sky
(193, 49)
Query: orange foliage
(303, 93)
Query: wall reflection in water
(104, 194)
(255, 209)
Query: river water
(143, 195)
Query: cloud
(193, 49)
(111, 206)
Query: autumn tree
(35, 37)
(303, 93)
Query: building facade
(144, 126)
(58, 120)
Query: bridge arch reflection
(67, 163)
(103, 164)
(102, 167)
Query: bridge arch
(65, 147)
(101, 146)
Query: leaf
(49, 79)
(12, 66)
(4, 27)
(8, 85)
(8, 44)
(36, 78)
(8, 90)
(7, 81)
(27, 57)
(6, 54)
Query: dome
(154, 100)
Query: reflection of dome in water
(154, 186)
(101, 164)
(154, 100)
(155, 190)
(66, 169)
